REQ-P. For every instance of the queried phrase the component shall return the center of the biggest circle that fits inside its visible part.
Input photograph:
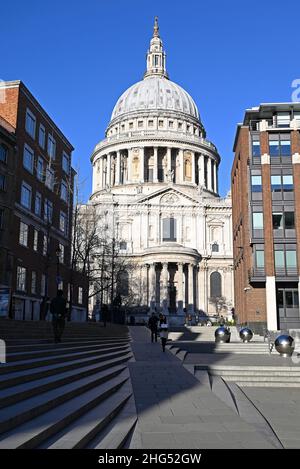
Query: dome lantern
(156, 56)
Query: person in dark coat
(152, 323)
(222, 321)
(58, 309)
(163, 332)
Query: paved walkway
(175, 410)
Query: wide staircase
(75, 394)
(203, 337)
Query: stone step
(34, 363)
(73, 343)
(268, 384)
(79, 434)
(65, 340)
(18, 356)
(116, 434)
(21, 412)
(12, 395)
(25, 376)
(37, 429)
(263, 379)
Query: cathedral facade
(155, 176)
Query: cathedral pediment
(168, 196)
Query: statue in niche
(169, 177)
(188, 169)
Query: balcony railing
(157, 134)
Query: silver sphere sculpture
(222, 334)
(285, 345)
(246, 334)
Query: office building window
(256, 184)
(48, 211)
(38, 204)
(285, 259)
(279, 145)
(45, 245)
(258, 221)
(23, 234)
(30, 123)
(256, 148)
(51, 147)
(64, 191)
(42, 136)
(66, 163)
(40, 169)
(63, 222)
(282, 222)
(33, 282)
(260, 258)
(28, 158)
(49, 182)
(26, 193)
(35, 240)
(21, 278)
(3, 153)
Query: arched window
(215, 285)
(215, 247)
(3, 153)
(169, 229)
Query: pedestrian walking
(163, 332)
(152, 324)
(222, 321)
(58, 309)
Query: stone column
(201, 170)
(209, 185)
(152, 288)
(142, 164)
(101, 173)
(155, 167)
(181, 165)
(191, 289)
(144, 285)
(108, 169)
(215, 177)
(165, 278)
(193, 167)
(180, 298)
(169, 164)
(129, 165)
(118, 169)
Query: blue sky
(78, 57)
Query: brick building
(266, 216)
(36, 201)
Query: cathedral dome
(155, 92)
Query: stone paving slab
(175, 410)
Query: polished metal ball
(246, 334)
(222, 334)
(285, 345)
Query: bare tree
(219, 302)
(97, 253)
